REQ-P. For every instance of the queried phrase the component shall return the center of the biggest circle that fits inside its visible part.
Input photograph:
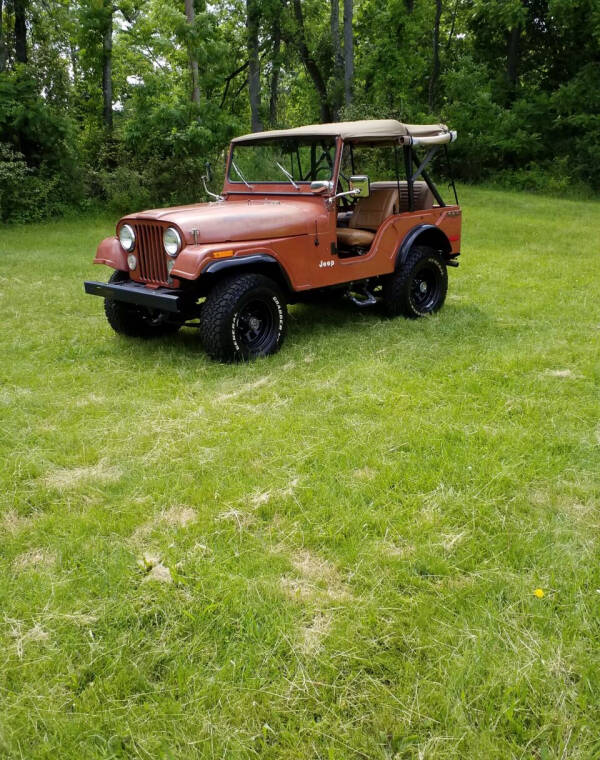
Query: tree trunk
(20, 31)
(512, 58)
(348, 52)
(310, 64)
(73, 52)
(452, 26)
(107, 85)
(435, 69)
(254, 65)
(190, 15)
(338, 57)
(2, 46)
(276, 64)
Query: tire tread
(215, 320)
(396, 287)
(125, 320)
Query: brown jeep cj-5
(299, 215)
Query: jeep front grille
(151, 256)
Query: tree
(252, 27)
(275, 73)
(435, 66)
(20, 9)
(190, 15)
(338, 57)
(299, 40)
(275, 64)
(512, 56)
(107, 83)
(2, 44)
(348, 52)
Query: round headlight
(127, 237)
(132, 261)
(172, 241)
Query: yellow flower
(539, 593)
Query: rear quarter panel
(381, 258)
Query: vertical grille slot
(152, 261)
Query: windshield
(284, 160)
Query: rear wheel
(243, 317)
(136, 321)
(419, 286)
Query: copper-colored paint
(110, 253)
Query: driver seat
(369, 214)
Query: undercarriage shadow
(315, 320)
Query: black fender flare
(426, 234)
(258, 262)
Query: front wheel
(243, 317)
(136, 321)
(419, 286)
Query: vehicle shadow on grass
(339, 316)
(314, 321)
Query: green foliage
(38, 156)
(14, 182)
(519, 80)
(123, 188)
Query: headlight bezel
(129, 228)
(168, 246)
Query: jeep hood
(234, 221)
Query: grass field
(329, 554)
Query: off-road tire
(244, 317)
(419, 286)
(135, 321)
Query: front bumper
(162, 299)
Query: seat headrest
(422, 194)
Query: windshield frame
(234, 182)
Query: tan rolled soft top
(367, 131)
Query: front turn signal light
(221, 254)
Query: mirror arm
(208, 192)
(356, 191)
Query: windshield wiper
(240, 175)
(288, 175)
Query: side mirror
(321, 185)
(361, 184)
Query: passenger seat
(369, 214)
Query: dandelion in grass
(539, 593)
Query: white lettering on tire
(234, 322)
